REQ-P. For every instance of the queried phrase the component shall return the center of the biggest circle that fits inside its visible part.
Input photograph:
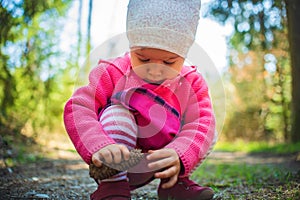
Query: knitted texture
(170, 25)
(109, 170)
(197, 130)
(155, 117)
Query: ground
(66, 177)
(61, 174)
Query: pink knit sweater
(191, 100)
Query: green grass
(257, 147)
(22, 156)
(246, 181)
(238, 180)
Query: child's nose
(155, 70)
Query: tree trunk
(284, 103)
(293, 7)
(89, 24)
(79, 34)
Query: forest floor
(63, 175)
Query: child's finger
(168, 172)
(158, 154)
(125, 152)
(159, 164)
(106, 155)
(96, 161)
(172, 181)
(117, 155)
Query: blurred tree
(247, 106)
(293, 7)
(29, 36)
(89, 25)
(260, 29)
(79, 31)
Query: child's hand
(168, 160)
(113, 153)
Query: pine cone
(108, 170)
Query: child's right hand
(113, 153)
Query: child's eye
(144, 60)
(168, 63)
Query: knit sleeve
(81, 111)
(198, 125)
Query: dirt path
(67, 176)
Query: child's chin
(157, 82)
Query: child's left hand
(168, 160)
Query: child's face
(155, 65)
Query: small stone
(42, 196)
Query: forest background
(261, 83)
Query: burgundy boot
(118, 190)
(185, 189)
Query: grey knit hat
(169, 25)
